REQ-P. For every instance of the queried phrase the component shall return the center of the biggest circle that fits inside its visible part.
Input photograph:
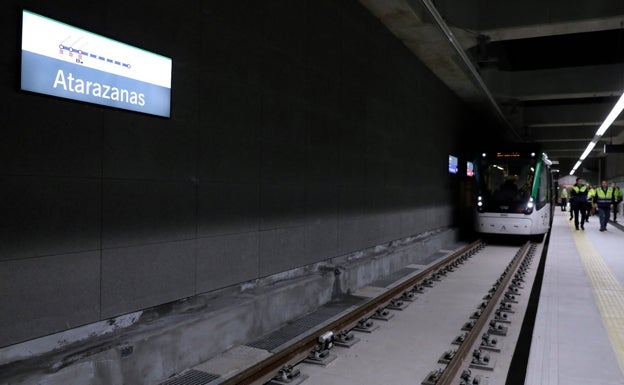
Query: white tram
(514, 192)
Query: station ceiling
(550, 71)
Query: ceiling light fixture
(615, 112)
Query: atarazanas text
(80, 86)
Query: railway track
(472, 346)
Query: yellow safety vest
(604, 197)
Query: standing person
(564, 197)
(617, 194)
(604, 199)
(578, 201)
(589, 206)
(570, 199)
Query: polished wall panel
(281, 249)
(227, 208)
(282, 205)
(321, 240)
(137, 212)
(43, 295)
(48, 216)
(226, 260)
(231, 122)
(139, 277)
(148, 148)
(67, 143)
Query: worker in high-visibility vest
(604, 199)
(578, 201)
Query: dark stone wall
(299, 131)
(614, 169)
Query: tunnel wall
(299, 131)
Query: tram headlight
(480, 204)
(530, 206)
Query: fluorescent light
(590, 147)
(619, 106)
(615, 112)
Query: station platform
(578, 336)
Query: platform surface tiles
(578, 338)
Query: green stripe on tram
(537, 176)
(608, 291)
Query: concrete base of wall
(171, 338)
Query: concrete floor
(579, 328)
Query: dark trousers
(564, 203)
(603, 214)
(579, 207)
(588, 210)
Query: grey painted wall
(300, 130)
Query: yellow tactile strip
(608, 291)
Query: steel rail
(267, 369)
(451, 373)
